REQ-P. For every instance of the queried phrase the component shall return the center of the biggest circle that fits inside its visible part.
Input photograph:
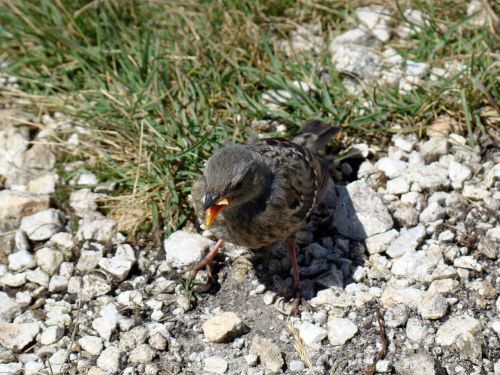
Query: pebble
(407, 241)
(458, 173)
(432, 305)
(251, 360)
(42, 225)
(99, 230)
(51, 334)
(432, 213)
(420, 363)
(269, 353)
(141, 354)
(467, 262)
(110, 360)
(360, 213)
(449, 332)
(405, 214)
(183, 248)
(416, 330)
(397, 186)
(383, 365)
(474, 192)
(91, 344)
(89, 259)
(223, 326)
(340, 330)
(16, 336)
(49, 259)
(396, 316)
(16, 204)
(312, 334)
(58, 283)
(428, 177)
(215, 365)
(8, 307)
(93, 286)
(435, 147)
(21, 260)
(106, 324)
(296, 366)
(392, 168)
(408, 296)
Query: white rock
(183, 248)
(116, 267)
(21, 260)
(432, 149)
(362, 148)
(49, 259)
(16, 204)
(360, 213)
(479, 12)
(91, 344)
(58, 283)
(417, 20)
(8, 307)
(456, 326)
(13, 280)
(417, 69)
(42, 225)
(416, 265)
(63, 241)
(33, 368)
(446, 236)
(432, 213)
(407, 241)
(84, 202)
(89, 259)
(431, 177)
(75, 285)
(23, 299)
(105, 325)
(215, 365)
(100, 230)
(110, 360)
(405, 295)
(358, 36)
(312, 334)
(380, 242)
(376, 19)
(141, 354)
(397, 186)
(93, 286)
(296, 366)
(130, 299)
(416, 330)
(223, 326)
(405, 214)
(45, 184)
(16, 336)
(11, 368)
(340, 330)
(51, 335)
(432, 305)
(39, 277)
(458, 173)
(475, 192)
(87, 179)
(357, 60)
(467, 262)
(420, 363)
(251, 359)
(396, 316)
(392, 168)
(269, 353)
(383, 365)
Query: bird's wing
(302, 176)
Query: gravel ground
(399, 263)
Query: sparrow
(261, 192)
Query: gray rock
(380, 242)
(475, 192)
(311, 334)
(51, 335)
(401, 295)
(443, 286)
(49, 259)
(21, 241)
(130, 299)
(251, 360)
(418, 364)
(415, 20)
(111, 360)
(133, 338)
(407, 241)
(183, 248)
(16, 204)
(117, 267)
(469, 348)
(432, 213)
(340, 330)
(215, 365)
(16, 336)
(84, 202)
(269, 353)
(392, 168)
(21, 260)
(396, 316)
(91, 344)
(62, 241)
(360, 213)
(223, 326)
(8, 307)
(383, 365)
(45, 184)
(456, 326)
(142, 354)
(432, 305)
(356, 60)
(420, 70)
(42, 225)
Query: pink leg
(295, 266)
(207, 261)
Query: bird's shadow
(326, 258)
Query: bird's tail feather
(315, 134)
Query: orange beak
(212, 211)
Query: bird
(258, 193)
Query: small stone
(130, 299)
(456, 326)
(416, 330)
(405, 214)
(11, 368)
(142, 354)
(133, 338)
(467, 262)
(91, 344)
(415, 20)
(404, 142)
(58, 283)
(429, 177)
(87, 179)
(223, 326)
(383, 365)
(396, 316)
(62, 241)
(215, 365)
(354, 59)
(435, 147)
(16, 204)
(340, 330)
(94, 286)
(89, 259)
(84, 202)
(432, 305)
(21, 260)
(51, 335)
(311, 334)
(45, 184)
(13, 280)
(49, 259)
(417, 69)
(401, 295)
(397, 186)
(16, 336)
(42, 225)
(474, 192)
(269, 353)
(158, 341)
(407, 241)
(110, 360)
(417, 265)
(296, 366)
(458, 173)
(380, 242)
(418, 364)
(360, 213)
(8, 307)
(432, 213)
(392, 168)
(105, 325)
(376, 20)
(446, 236)
(443, 286)
(183, 248)
(116, 267)
(39, 277)
(251, 360)
(101, 230)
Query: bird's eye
(238, 185)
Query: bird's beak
(213, 205)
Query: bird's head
(233, 176)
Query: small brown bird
(261, 192)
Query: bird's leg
(207, 261)
(296, 275)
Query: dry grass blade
(299, 345)
(370, 370)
